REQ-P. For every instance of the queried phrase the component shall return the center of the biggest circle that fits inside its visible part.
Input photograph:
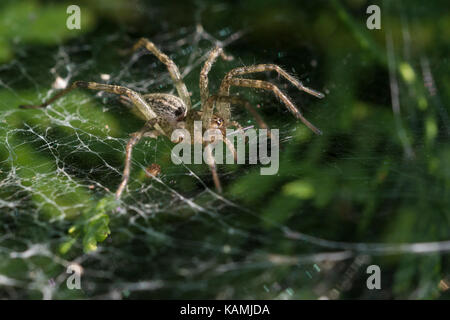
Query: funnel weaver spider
(166, 112)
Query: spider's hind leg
(135, 138)
(135, 97)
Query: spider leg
(212, 166)
(204, 91)
(238, 126)
(224, 108)
(135, 138)
(132, 96)
(183, 93)
(125, 101)
(212, 57)
(224, 88)
(259, 84)
(230, 146)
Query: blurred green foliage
(30, 21)
(373, 177)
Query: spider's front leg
(263, 68)
(229, 80)
(259, 84)
(212, 57)
(207, 111)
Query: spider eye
(179, 112)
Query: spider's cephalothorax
(166, 112)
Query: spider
(165, 112)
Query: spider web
(172, 235)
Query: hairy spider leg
(135, 97)
(259, 84)
(203, 85)
(264, 68)
(175, 74)
(212, 166)
(135, 138)
(227, 82)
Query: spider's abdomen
(166, 106)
